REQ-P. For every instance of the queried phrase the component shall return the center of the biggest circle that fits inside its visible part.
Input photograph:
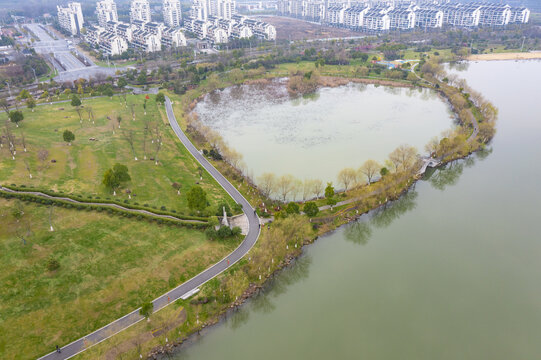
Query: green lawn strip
(108, 267)
(101, 208)
(107, 200)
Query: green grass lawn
(108, 267)
(79, 168)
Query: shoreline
(253, 290)
(339, 219)
(534, 55)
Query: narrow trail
(137, 211)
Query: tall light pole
(9, 88)
(35, 77)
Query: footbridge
(428, 162)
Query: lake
(319, 135)
(449, 271)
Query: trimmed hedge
(99, 208)
(97, 199)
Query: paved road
(69, 67)
(132, 318)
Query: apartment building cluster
(114, 37)
(217, 22)
(376, 16)
(71, 18)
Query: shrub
(311, 209)
(146, 309)
(224, 232)
(293, 208)
(52, 264)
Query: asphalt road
(132, 318)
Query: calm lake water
(318, 136)
(450, 271)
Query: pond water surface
(318, 136)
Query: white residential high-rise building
(226, 8)
(106, 11)
(199, 10)
(172, 14)
(70, 18)
(202, 9)
(140, 10)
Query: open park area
(93, 268)
(107, 131)
(68, 272)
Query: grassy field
(79, 168)
(108, 267)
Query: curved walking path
(189, 286)
(137, 211)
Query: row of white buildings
(113, 37)
(212, 20)
(219, 30)
(217, 22)
(383, 16)
(116, 37)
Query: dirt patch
(295, 29)
(506, 56)
(333, 81)
(258, 81)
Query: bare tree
(132, 109)
(403, 157)
(307, 189)
(285, 185)
(42, 156)
(158, 142)
(51, 208)
(346, 177)
(11, 140)
(23, 139)
(297, 188)
(145, 134)
(432, 146)
(5, 105)
(267, 183)
(318, 187)
(370, 168)
(124, 96)
(233, 157)
(80, 113)
(129, 136)
(90, 114)
(27, 165)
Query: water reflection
(360, 231)
(385, 215)
(264, 301)
(445, 176)
(449, 174)
(459, 65)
